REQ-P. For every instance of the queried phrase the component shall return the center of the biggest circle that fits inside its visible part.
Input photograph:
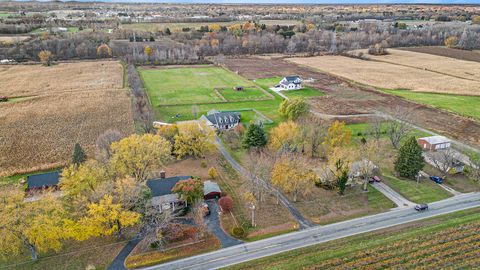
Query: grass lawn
(268, 107)
(463, 105)
(362, 129)
(248, 93)
(424, 192)
(368, 248)
(172, 86)
(14, 179)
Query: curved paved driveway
(213, 224)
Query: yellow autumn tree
(451, 41)
(147, 50)
(168, 131)
(292, 175)
(37, 226)
(45, 57)
(194, 139)
(338, 135)
(214, 42)
(106, 218)
(215, 27)
(104, 51)
(77, 182)
(286, 134)
(139, 155)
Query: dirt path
(349, 99)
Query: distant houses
(221, 120)
(291, 83)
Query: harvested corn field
(390, 76)
(39, 132)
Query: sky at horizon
(287, 1)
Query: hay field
(28, 80)
(390, 76)
(444, 65)
(39, 132)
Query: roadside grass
(211, 243)
(170, 86)
(343, 249)
(463, 105)
(425, 191)
(377, 201)
(268, 235)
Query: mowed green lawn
(425, 191)
(306, 92)
(188, 85)
(464, 105)
(248, 93)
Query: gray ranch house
(291, 83)
(221, 120)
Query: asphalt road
(315, 235)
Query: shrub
(451, 41)
(212, 172)
(226, 203)
(238, 232)
(377, 49)
(203, 164)
(155, 244)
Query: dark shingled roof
(43, 180)
(163, 186)
(224, 118)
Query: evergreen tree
(79, 155)
(254, 137)
(409, 160)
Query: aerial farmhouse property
(162, 196)
(291, 83)
(434, 143)
(221, 120)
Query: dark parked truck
(421, 207)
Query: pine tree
(79, 155)
(254, 137)
(409, 160)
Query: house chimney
(162, 174)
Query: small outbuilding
(211, 190)
(433, 143)
(42, 181)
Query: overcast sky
(297, 1)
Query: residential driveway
(394, 196)
(213, 224)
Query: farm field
(445, 65)
(193, 85)
(13, 39)
(177, 27)
(464, 105)
(67, 103)
(390, 76)
(445, 242)
(174, 91)
(447, 52)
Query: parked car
(436, 179)
(421, 207)
(374, 179)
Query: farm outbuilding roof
(435, 139)
(163, 186)
(43, 180)
(209, 187)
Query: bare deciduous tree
(398, 128)
(443, 160)
(103, 142)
